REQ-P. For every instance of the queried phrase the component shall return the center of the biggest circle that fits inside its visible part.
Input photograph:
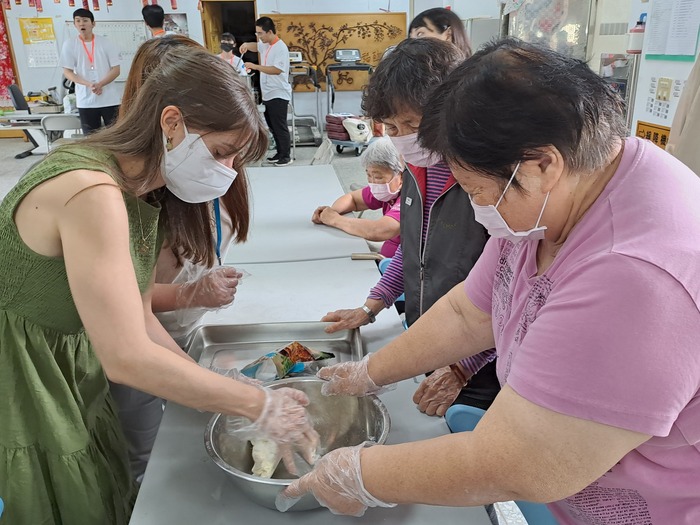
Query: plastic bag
(293, 358)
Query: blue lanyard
(217, 217)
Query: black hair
(444, 19)
(83, 13)
(405, 78)
(228, 36)
(266, 24)
(512, 98)
(153, 15)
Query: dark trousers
(276, 118)
(91, 118)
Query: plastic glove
(284, 421)
(350, 378)
(213, 289)
(234, 373)
(336, 482)
(438, 391)
(345, 319)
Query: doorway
(228, 16)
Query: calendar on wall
(39, 41)
(127, 35)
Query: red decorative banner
(109, 3)
(18, 2)
(86, 5)
(173, 5)
(95, 5)
(56, 1)
(154, 2)
(39, 6)
(32, 3)
(7, 75)
(144, 3)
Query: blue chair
(462, 418)
(2, 507)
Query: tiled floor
(349, 171)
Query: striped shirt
(391, 286)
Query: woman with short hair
(384, 166)
(588, 289)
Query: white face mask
(412, 153)
(497, 226)
(192, 173)
(382, 192)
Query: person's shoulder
(70, 43)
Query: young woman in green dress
(79, 236)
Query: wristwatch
(369, 313)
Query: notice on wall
(39, 41)
(653, 132)
(673, 33)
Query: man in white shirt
(92, 62)
(274, 84)
(154, 16)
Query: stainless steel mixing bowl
(341, 421)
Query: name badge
(408, 201)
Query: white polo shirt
(275, 86)
(75, 57)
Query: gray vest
(453, 243)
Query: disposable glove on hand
(437, 392)
(283, 420)
(350, 378)
(213, 289)
(234, 373)
(336, 482)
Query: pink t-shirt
(389, 209)
(611, 333)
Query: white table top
(283, 201)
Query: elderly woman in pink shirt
(384, 166)
(588, 289)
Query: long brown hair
(177, 71)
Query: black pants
(482, 388)
(276, 118)
(91, 118)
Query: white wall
(36, 79)
(609, 12)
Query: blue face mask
(491, 219)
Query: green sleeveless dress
(63, 457)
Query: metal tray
(234, 346)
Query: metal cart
(340, 145)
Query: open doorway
(230, 16)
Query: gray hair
(382, 153)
